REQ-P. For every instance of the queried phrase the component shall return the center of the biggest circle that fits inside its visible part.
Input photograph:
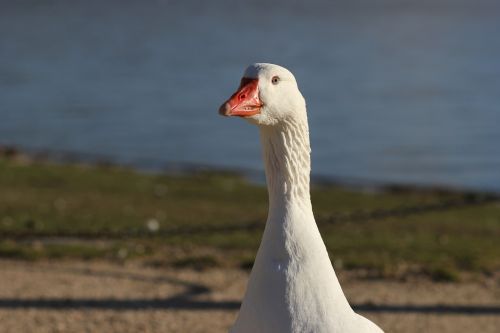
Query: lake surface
(397, 91)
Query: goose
(292, 286)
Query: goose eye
(275, 79)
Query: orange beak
(245, 102)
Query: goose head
(268, 95)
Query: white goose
(292, 286)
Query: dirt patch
(104, 297)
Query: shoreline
(26, 155)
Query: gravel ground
(105, 297)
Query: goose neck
(286, 153)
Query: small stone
(153, 225)
(60, 204)
(7, 221)
(122, 253)
(160, 190)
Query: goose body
(292, 286)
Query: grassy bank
(216, 219)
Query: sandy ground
(104, 297)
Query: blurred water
(399, 91)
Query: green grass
(224, 213)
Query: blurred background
(127, 204)
(397, 91)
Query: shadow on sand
(181, 303)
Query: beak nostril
(245, 102)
